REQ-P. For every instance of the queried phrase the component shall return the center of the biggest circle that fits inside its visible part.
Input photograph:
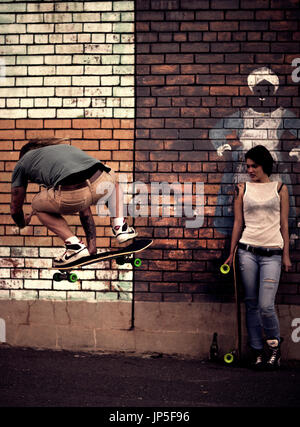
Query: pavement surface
(39, 378)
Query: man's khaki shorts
(73, 201)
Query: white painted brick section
(52, 295)
(23, 295)
(37, 284)
(64, 59)
(81, 296)
(11, 284)
(4, 294)
(26, 273)
(16, 251)
(38, 40)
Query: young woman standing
(260, 232)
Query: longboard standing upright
(236, 353)
(122, 255)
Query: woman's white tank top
(261, 206)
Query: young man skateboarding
(72, 181)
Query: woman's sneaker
(257, 362)
(73, 252)
(274, 354)
(123, 232)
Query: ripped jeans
(260, 276)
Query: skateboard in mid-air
(235, 354)
(122, 256)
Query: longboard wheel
(57, 277)
(120, 260)
(225, 269)
(137, 262)
(228, 358)
(72, 277)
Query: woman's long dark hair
(262, 157)
(33, 144)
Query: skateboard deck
(235, 354)
(122, 255)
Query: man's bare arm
(88, 224)
(16, 207)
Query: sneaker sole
(124, 238)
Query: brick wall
(67, 70)
(192, 64)
(67, 59)
(152, 88)
(26, 255)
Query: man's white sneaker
(123, 232)
(73, 252)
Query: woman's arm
(284, 225)
(238, 221)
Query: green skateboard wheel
(228, 358)
(72, 277)
(137, 262)
(225, 269)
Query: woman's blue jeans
(260, 276)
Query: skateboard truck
(65, 275)
(136, 262)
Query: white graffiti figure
(262, 123)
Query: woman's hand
(286, 262)
(229, 260)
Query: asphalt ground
(114, 382)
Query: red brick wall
(192, 62)
(109, 140)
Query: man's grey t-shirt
(51, 164)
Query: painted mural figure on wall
(263, 123)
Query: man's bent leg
(55, 223)
(75, 249)
(47, 209)
(120, 228)
(110, 191)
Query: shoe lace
(273, 356)
(258, 360)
